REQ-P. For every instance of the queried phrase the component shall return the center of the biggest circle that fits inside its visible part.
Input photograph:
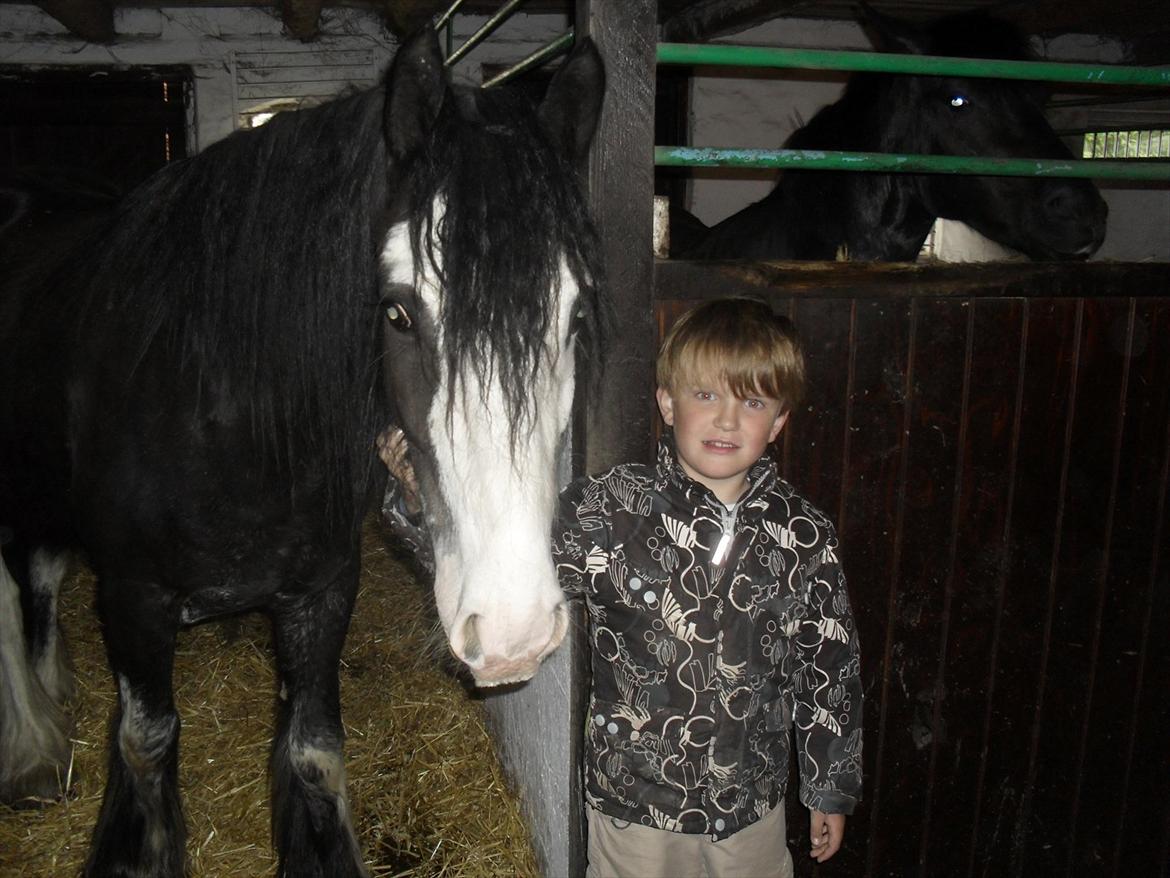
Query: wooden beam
(685, 280)
(404, 17)
(302, 18)
(706, 19)
(90, 20)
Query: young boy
(719, 622)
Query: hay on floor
(427, 794)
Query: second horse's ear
(572, 105)
(891, 34)
(415, 89)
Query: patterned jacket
(714, 633)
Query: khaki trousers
(618, 849)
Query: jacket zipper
(727, 516)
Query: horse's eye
(398, 317)
(959, 101)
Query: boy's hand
(392, 449)
(827, 832)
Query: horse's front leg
(311, 822)
(140, 830)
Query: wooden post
(541, 725)
(90, 20)
(616, 427)
(621, 191)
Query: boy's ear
(665, 405)
(777, 426)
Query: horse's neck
(830, 215)
(856, 215)
(759, 231)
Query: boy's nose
(727, 417)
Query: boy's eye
(704, 394)
(754, 403)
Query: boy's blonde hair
(739, 341)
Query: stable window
(1134, 144)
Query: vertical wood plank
(1044, 390)
(913, 681)
(871, 485)
(985, 463)
(1076, 583)
(1114, 620)
(817, 438)
(1037, 825)
(815, 459)
(1135, 714)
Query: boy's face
(719, 435)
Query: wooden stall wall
(994, 445)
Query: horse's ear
(415, 89)
(572, 104)
(892, 34)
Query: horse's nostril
(472, 649)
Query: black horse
(872, 216)
(191, 394)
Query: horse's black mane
(253, 268)
(502, 183)
(250, 268)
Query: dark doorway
(99, 126)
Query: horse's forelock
(510, 215)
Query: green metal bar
(544, 53)
(445, 18)
(815, 159)
(927, 65)
(488, 27)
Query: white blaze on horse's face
(495, 585)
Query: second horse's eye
(960, 101)
(398, 317)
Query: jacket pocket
(630, 748)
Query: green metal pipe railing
(814, 159)
(925, 65)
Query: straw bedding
(428, 796)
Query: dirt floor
(427, 794)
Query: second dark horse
(886, 217)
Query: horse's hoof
(38, 787)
